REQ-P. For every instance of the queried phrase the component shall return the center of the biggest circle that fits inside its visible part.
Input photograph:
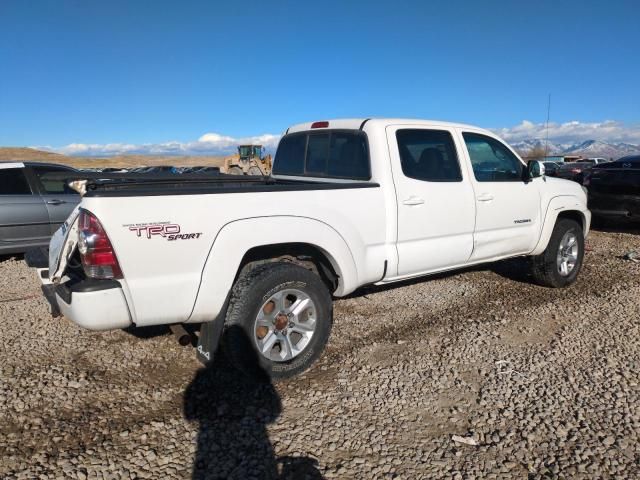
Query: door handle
(55, 202)
(412, 200)
(485, 197)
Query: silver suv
(31, 207)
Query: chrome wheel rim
(284, 325)
(567, 254)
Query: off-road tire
(249, 293)
(544, 267)
(235, 171)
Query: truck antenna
(546, 143)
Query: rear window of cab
(329, 153)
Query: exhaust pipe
(184, 338)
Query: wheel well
(303, 254)
(573, 215)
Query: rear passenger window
(428, 155)
(13, 182)
(333, 154)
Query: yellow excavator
(250, 160)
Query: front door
(508, 218)
(435, 200)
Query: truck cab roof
(358, 123)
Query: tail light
(98, 258)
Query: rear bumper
(91, 304)
(94, 304)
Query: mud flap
(209, 339)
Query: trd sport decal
(169, 231)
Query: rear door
(508, 218)
(59, 199)
(24, 220)
(435, 201)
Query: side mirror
(535, 169)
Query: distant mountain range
(588, 148)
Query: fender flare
(556, 206)
(236, 238)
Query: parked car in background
(209, 170)
(614, 189)
(559, 159)
(573, 170)
(551, 169)
(594, 160)
(31, 207)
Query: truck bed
(141, 184)
(164, 273)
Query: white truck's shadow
(232, 411)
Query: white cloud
(208, 144)
(607, 131)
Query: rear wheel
(278, 321)
(254, 171)
(558, 266)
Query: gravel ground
(538, 382)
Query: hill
(24, 154)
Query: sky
(105, 77)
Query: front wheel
(558, 266)
(278, 321)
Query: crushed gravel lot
(535, 383)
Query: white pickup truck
(354, 202)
